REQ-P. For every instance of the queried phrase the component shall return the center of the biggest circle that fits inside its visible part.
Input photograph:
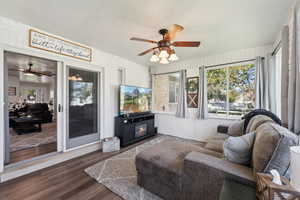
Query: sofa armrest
(203, 176)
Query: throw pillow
(239, 149)
(281, 157)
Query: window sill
(164, 113)
(229, 118)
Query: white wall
(13, 81)
(192, 128)
(15, 34)
(43, 86)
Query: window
(165, 91)
(231, 90)
(173, 89)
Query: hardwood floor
(26, 154)
(65, 181)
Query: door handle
(60, 108)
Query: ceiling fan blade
(186, 44)
(143, 40)
(147, 51)
(17, 70)
(33, 72)
(43, 73)
(47, 73)
(176, 28)
(173, 30)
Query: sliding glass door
(83, 107)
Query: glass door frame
(68, 144)
(3, 100)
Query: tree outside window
(231, 90)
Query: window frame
(278, 78)
(226, 116)
(154, 92)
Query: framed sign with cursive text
(57, 45)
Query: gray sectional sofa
(177, 170)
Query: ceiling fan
(164, 51)
(29, 71)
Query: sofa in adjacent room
(176, 170)
(40, 110)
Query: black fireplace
(140, 130)
(131, 129)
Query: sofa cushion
(281, 157)
(236, 128)
(219, 136)
(216, 142)
(256, 121)
(165, 160)
(239, 149)
(215, 145)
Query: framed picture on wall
(192, 92)
(12, 91)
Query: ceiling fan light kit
(173, 57)
(164, 51)
(163, 54)
(154, 58)
(164, 61)
(75, 78)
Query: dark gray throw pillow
(239, 149)
(281, 157)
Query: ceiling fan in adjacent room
(164, 52)
(30, 71)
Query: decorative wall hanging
(60, 46)
(192, 92)
(12, 91)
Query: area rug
(46, 136)
(119, 174)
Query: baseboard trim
(12, 172)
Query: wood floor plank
(29, 153)
(64, 181)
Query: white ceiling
(15, 61)
(221, 25)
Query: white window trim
(122, 70)
(153, 98)
(163, 113)
(227, 116)
(278, 74)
